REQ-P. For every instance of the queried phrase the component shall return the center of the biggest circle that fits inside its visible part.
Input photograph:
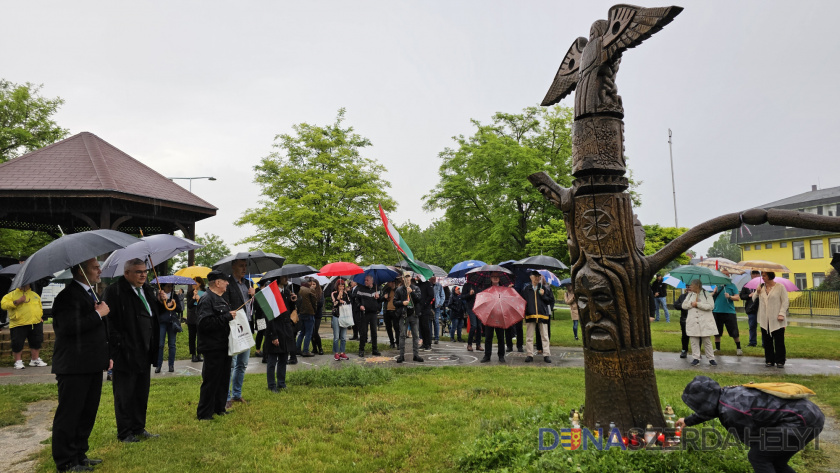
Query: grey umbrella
(439, 272)
(10, 270)
(541, 262)
(258, 262)
(68, 251)
(155, 248)
(290, 271)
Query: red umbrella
(499, 306)
(340, 268)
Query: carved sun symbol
(596, 223)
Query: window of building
(783, 244)
(831, 210)
(818, 278)
(757, 247)
(813, 210)
(747, 248)
(768, 246)
(801, 281)
(799, 250)
(786, 276)
(816, 249)
(834, 245)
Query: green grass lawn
(378, 419)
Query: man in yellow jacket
(25, 323)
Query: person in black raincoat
(407, 300)
(279, 339)
(468, 292)
(214, 316)
(773, 427)
(488, 333)
(538, 299)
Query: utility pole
(673, 186)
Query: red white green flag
(402, 246)
(270, 301)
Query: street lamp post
(209, 178)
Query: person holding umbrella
(194, 294)
(167, 320)
(368, 297)
(390, 316)
(500, 333)
(700, 323)
(406, 299)
(339, 297)
(80, 355)
(725, 296)
(537, 299)
(772, 318)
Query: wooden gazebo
(84, 182)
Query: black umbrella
(481, 276)
(68, 251)
(258, 262)
(404, 265)
(439, 272)
(290, 271)
(541, 262)
(835, 262)
(10, 270)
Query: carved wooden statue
(610, 273)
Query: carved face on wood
(598, 310)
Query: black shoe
(509, 349)
(157, 369)
(199, 359)
(769, 365)
(683, 354)
(375, 353)
(486, 359)
(751, 345)
(418, 359)
(264, 360)
(501, 358)
(78, 467)
(130, 439)
(320, 351)
(90, 461)
(274, 390)
(547, 359)
(400, 359)
(576, 337)
(194, 359)
(713, 362)
(436, 342)
(146, 435)
(361, 354)
(520, 349)
(780, 365)
(393, 345)
(108, 378)
(529, 359)
(292, 361)
(306, 354)
(695, 362)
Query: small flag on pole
(270, 301)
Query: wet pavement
(456, 354)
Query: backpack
(782, 390)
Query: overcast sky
(201, 88)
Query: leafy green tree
(484, 185)
(723, 248)
(436, 244)
(214, 250)
(22, 243)
(550, 239)
(656, 237)
(320, 197)
(831, 283)
(26, 120)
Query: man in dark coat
(406, 300)
(426, 311)
(751, 308)
(134, 332)
(538, 299)
(279, 339)
(368, 297)
(773, 427)
(683, 317)
(214, 316)
(468, 292)
(80, 355)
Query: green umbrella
(707, 276)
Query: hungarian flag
(402, 247)
(271, 301)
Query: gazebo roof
(83, 181)
(86, 162)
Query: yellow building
(806, 252)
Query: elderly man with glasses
(133, 332)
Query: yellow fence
(822, 303)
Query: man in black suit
(80, 355)
(133, 331)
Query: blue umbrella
(380, 272)
(551, 278)
(566, 282)
(461, 269)
(173, 280)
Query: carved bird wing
(630, 25)
(566, 78)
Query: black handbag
(176, 324)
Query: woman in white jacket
(700, 323)
(772, 318)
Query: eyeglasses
(142, 271)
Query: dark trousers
(276, 369)
(405, 323)
(260, 337)
(685, 337)
(167, 330)
(752, 323)
(515, 329)
(488, 341)
(215, 378)
(425, 327)
(392, 326)
(475, 329)
(539, 338)
(368, 321)
(773, 458)
(78, 401)
(193, 331)
(357, 324)
(774, 346)
(317, 347)
(131, 397)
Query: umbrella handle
(165, 304)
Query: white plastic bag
(240, 338)
(345, 316)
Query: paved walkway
(455, 354)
